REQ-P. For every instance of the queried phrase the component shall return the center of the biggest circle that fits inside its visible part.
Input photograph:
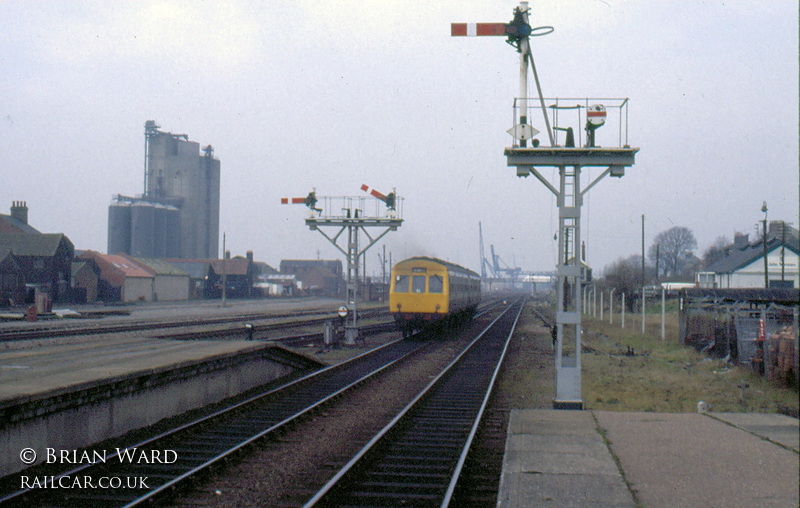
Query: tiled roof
(743, 256)
(4, 253)
(117, 263)
(235, 266)
(9, 224)
(43, 245)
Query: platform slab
(597, 458)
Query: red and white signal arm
(596, 115)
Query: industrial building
(177, 216)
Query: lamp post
(766, 265)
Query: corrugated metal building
(121, 280)
(169, 282)
(197, 269)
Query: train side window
(417, 283)
(435, 284)
(401, 284)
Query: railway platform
(600, 458)
(100, 386)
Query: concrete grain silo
(119, 226)
(178, 214)
(143, 221)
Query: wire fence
(759, 335)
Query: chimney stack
(740, 240)
(19, 211)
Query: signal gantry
(352, 216)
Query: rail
(431, 436)
(206, 441)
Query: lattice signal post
(352, 217)
(568, 116)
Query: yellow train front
(426, 290)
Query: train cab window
(417, 283)
(435, 284)
(401, 284)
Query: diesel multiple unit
(426, 290)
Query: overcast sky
(294, 95)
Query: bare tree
(626, 276)
(674, 247)
(716, 251)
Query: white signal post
(352, 219)
(570, 160)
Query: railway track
(41, 332)
(416, 460)
(199, 445)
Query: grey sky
(295, 95)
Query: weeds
(625, 370)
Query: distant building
(85, 281)
(12, 280)
(17, 221)
(121, 280)
(45, 261)
(238, 275)
(198, 270)
(178, 214)
(742, 266)
(169, 282)
(316, 277)
(276, 285)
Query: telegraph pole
(224, 272)
(643, 295)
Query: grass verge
(627, 370)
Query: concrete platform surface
(31, 367)
(597, 458)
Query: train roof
(447, 264)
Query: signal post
(574, 159)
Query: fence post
(601, 304)
(796, 363)
(623, 309)
(663, 308)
